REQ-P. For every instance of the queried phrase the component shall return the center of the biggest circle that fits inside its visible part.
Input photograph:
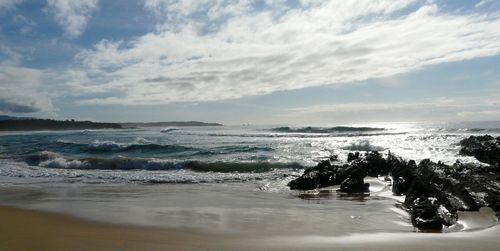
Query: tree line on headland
(8, 123)
(49, 124)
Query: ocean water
(228, 179)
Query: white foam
(377, 185)
(363, 145)
(60, 162)
(486, 217)
(107, 145)
(169, 129)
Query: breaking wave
(363, 145)
(336, 129)
(169, 129)
(297, 134)
(467, 130)
(148, 147)
(54, 160)
(111, 146)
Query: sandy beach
(32, 230)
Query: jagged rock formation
(435, 192)
(485, 148)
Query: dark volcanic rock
(352, 156)
(349, 176)
(434, 192)
(403, 175)
(445, 183)
(352, 177)
(354, 185)
(322, 175)
(425, 214)
(376, 165)
(459, 187)
(334, 157)
(485, 148)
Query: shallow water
(239, 209)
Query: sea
(223, 179)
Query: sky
(309, 62)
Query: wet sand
(32, 230)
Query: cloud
(8, 55)
(481, 115)
(483, 3)
(469, 108)
(20, 90)
(8, 4)
(395, 81)
(17, 106)
(72, 15)
(25, 24)
(174, 14)
(216, 50)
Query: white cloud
(21, 87)
(8, 4)
(26, 25)
(9, 56)
(471, 108)
(175, 13)
(483, 3)
(254, 52)
(484, 115)
(20, 90)
(72, 15)
(395, 81)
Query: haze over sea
(224, 178)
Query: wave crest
(335, 129)
(127, 163)
(363, 145)
(169, 129)
(139, 146)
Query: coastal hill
(171, 123)
(49, 124)
(9, 123)
(6, 117)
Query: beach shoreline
(22, 229)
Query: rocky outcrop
(349, 176)
(425, 213)
(434, 192)
(454, 188)
(484, 148)
(322, 175)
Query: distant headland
(49, 124)
(9, 123)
